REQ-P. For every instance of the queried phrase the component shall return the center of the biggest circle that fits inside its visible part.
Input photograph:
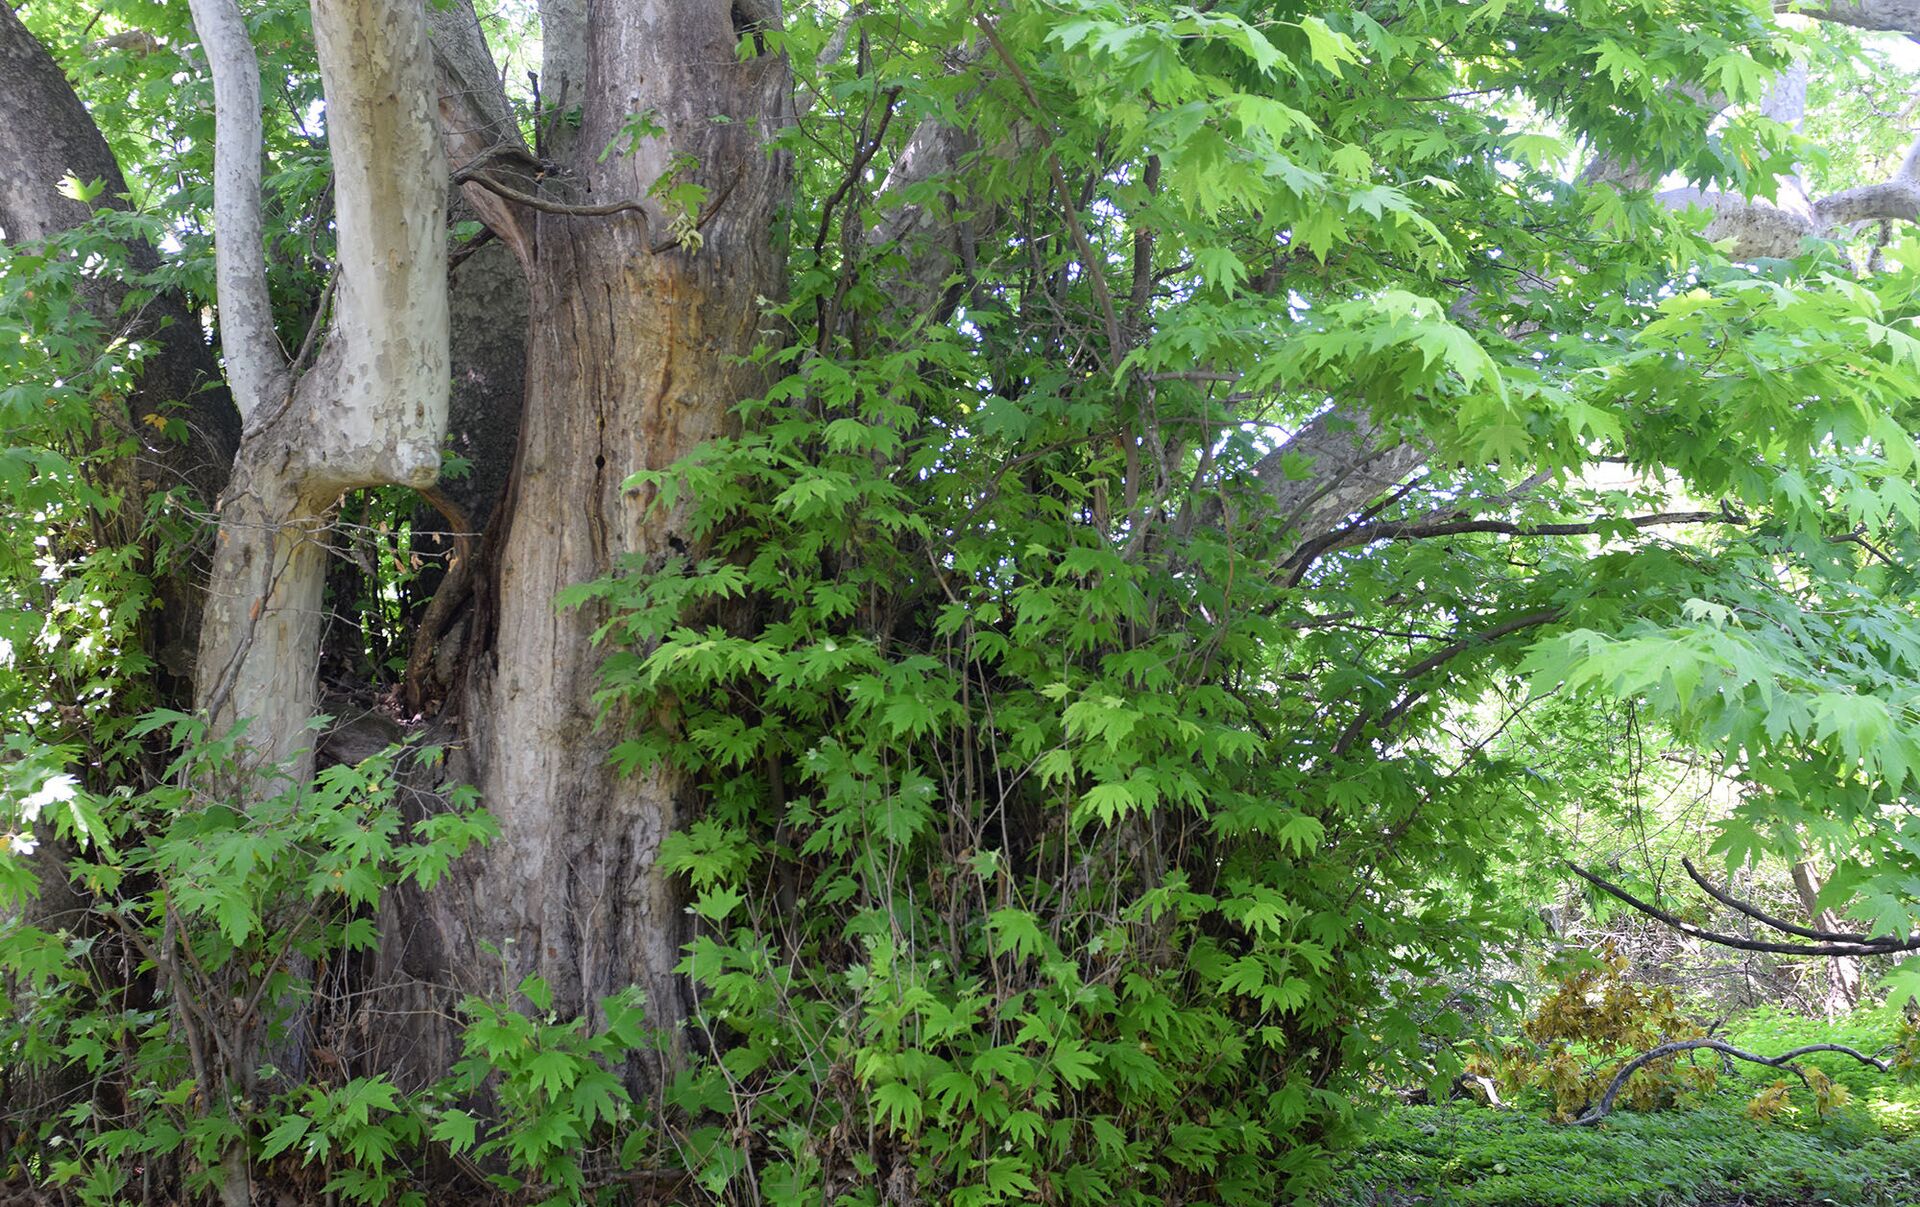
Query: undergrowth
(1711, 1156)
(1865, 1153)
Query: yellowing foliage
(1594, 1022)
(1768, 1103)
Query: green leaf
(284, 1135)
(456, 1129)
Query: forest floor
(1712, 1154)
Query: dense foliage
(1085, 814)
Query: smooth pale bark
(372, 409)
(1761, 228)
(633, 361)
(256, 370)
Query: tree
(1026, 487)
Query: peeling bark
(372, 409)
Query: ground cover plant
(1707, 1132)
(1709, 1156)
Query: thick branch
(1762, 228)
(390, 371)
(256, 364)
(1886, 16)
(1347, 463)
(1869, 947)
(1765, 919)
(476, 127)
(1414, 530)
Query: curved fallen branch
(1783, 1061)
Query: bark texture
(372, 409)
(633, 359)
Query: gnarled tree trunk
(634, 359)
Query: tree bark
(372, 409)
(634, 359)
(1843, 972)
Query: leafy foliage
(1595, 1020)
(1088, 812)
(1702, 1156)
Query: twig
(859, 165)
(1434, 661)
(545, 205)
(1096, 276)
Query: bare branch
(256, 364)
(545, 205)
(1886, 16)
(1765, 919)
(1776, 228)
(1366, 534)
(1870, 947)
(1782, 1061)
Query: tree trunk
(372, 409)
(633, 361)
(1843, 972)
(46, 135)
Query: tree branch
(1761, 228)
(1089, 262)
(476, 126)
(1367, 534)
(256, 364)
(1869, 947)
(546, 205)
(389, 340)
(1765, 919)
(1781, 1061)
(1439, 658)
(1886, 16)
